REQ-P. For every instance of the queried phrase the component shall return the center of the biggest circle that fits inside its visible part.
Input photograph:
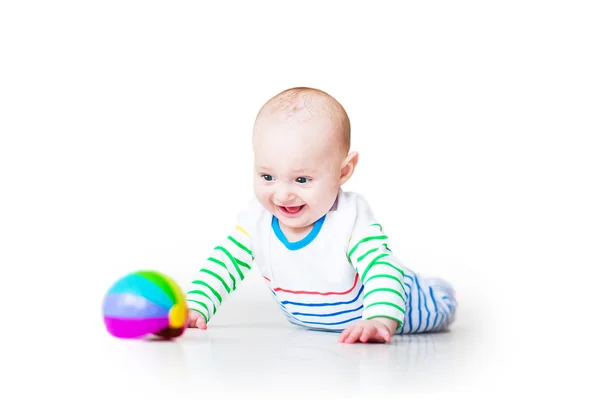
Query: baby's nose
(284, 195)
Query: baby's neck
(295, 234)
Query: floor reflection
(280, 357)
(246, 358)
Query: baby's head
(301, 142)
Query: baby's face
(297, 169)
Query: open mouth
(291, 210)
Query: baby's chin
(296, 224)
(292, 217)
(300, 223)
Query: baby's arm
(220, 275)
(381, 273)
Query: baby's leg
(430, 305)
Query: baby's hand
(378, 330)
(196, 320)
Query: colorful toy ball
(145, 303)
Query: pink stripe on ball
(131, 328)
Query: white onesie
(342, 271)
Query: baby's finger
(384, 333)
(201, 323)
(344, 334)
(354, 335)
(368, 333)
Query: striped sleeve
(221, 273)
(381, 273)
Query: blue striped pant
(430, 304)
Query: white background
(125, 144)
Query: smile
(290, 210)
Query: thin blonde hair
(316, 102)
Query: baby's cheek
(325, 195)
(315, 200)
(263, 198)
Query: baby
(321, 251)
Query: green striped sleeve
(380, 272)
(221, 273)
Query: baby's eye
(302, 180)
(267, 178)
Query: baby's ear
(348, 167)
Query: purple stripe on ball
(127, 305)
